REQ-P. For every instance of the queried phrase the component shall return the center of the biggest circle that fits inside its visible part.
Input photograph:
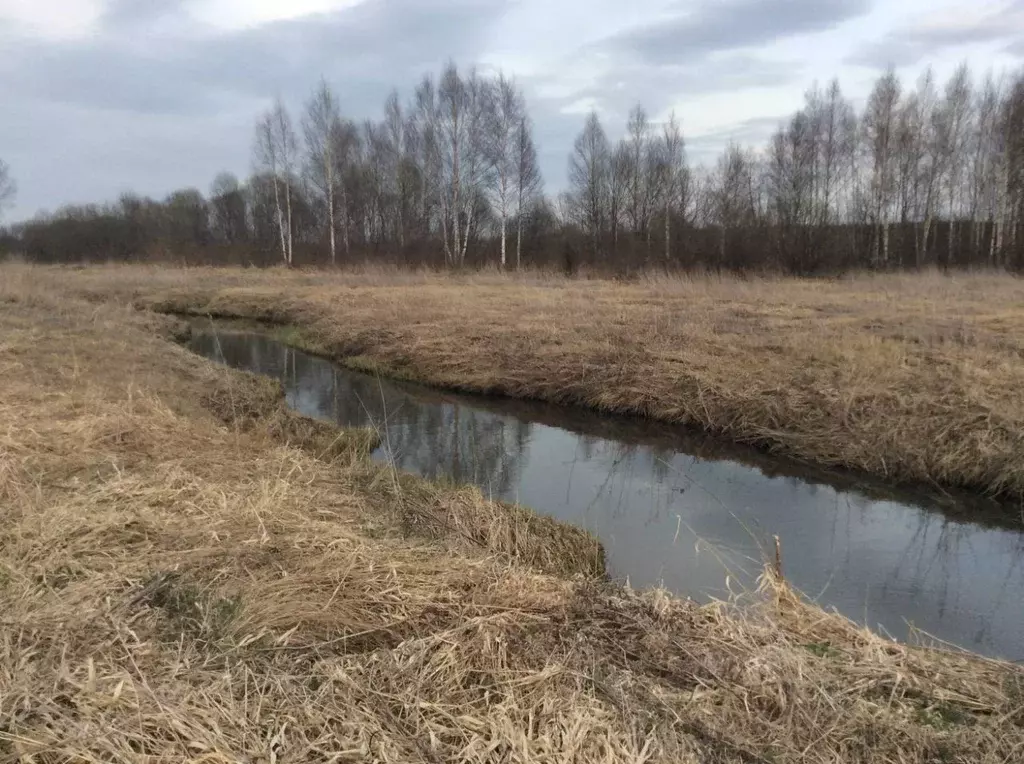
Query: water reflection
(682, 510)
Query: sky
(105, 96)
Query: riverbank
(188, 572)
(909, 378)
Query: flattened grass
(186, 576)
(913, 378)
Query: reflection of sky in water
(666, 516)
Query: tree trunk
(465, 239)
(885, 245)
(280, 221)
(455, 197)
(503, 224)
(668, 234)
(519, 240)
(329, 172)
(925, 230)
(288, 202)
(949, 254)
(330, 222)
(345, 221)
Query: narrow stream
(681, 510)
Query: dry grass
(185, 575)
(913, 378)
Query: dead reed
(185, 576)
(912, 378)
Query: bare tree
(879, 126)
(347, 146)
(986, 164)
(638, 132)
(505, 116)
(528, 179)
(926, 142)
(227, 208)
(620, 176)
(733, 194)
(676, 181)
(275, 153)
(454, 122)
(395, 131)
(1012, 140)
(320, 126)
(837, 145)
(588, 179)
(953, 120)
(8, 188)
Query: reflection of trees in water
(935, 554)
(654, 482)
(436, 438)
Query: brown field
(912, 378)
(188, 572)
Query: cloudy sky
(101, 96)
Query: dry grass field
(188, 572)
(914, 378)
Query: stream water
(683, 510)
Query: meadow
(190, 572)
(913, 378)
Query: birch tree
(275, 153)
(457, 117)
(879, 125)
(1012, 138)
(838, 142)
(986, 165)
(953, 132)
(320, 125)
(505, 116)
(931, 169)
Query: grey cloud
(732, 24)
(655, 88)
(905, 47)
(376, 44)
(156, 109)
(121, 14)
(154, 100)
(705, 148)
(695, 52)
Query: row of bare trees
(918, 177)
(928, 175)
(455, 163)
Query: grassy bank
(190, 573)
(912, 378)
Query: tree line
(928, 175)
